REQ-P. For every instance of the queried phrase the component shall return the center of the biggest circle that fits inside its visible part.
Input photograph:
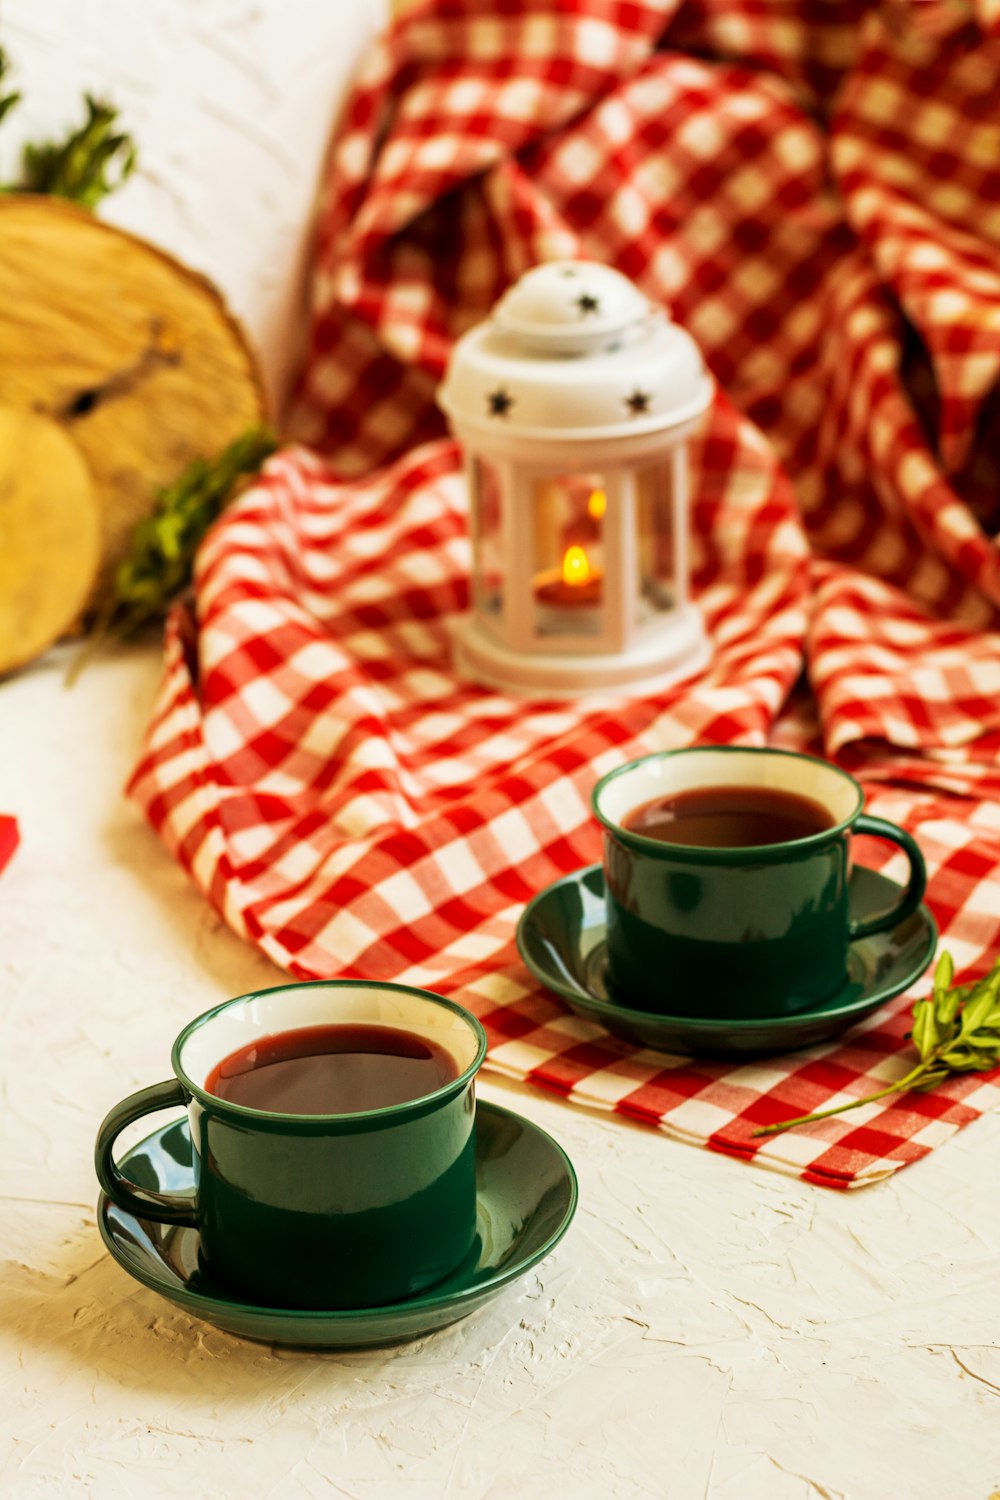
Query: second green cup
(727, 873)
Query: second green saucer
(561, 938)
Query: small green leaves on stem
(91, 163)
(88, 165)
(7, 101)
(956, 1029)
(161, 554)
(160, 559)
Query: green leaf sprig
(7, 101)
(956, 1029)
(92, 162)
(161, 553)
(160, 559)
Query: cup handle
(880, 828)
(163, 1208)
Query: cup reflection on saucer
(562, 938)
(526, 1196)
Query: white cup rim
(183, 1054)
(613, 798)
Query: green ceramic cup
(321, 1211)
(736, 933)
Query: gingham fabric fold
(816, 195)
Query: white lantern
(573, 403)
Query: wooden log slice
(50, 535)
(132, 353)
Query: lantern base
(678, 649)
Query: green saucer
(526, 1197)
(561, 938)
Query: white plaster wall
(231, 104)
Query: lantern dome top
(570, 307)
(573, 350)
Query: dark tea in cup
(333, 1070)
(728, 817)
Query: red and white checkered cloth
(815, 193)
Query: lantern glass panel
(487, 532)
(655, 520)
(568, 573)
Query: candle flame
(597, 504)
(576, 567)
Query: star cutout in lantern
(588, 303)
(499, 402)
(638, 402)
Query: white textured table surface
(706, 1328)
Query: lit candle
(576, 583)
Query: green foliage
(79, 167)
(7, 101)
(161, 554)
(955, 1030)
(90, 163)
